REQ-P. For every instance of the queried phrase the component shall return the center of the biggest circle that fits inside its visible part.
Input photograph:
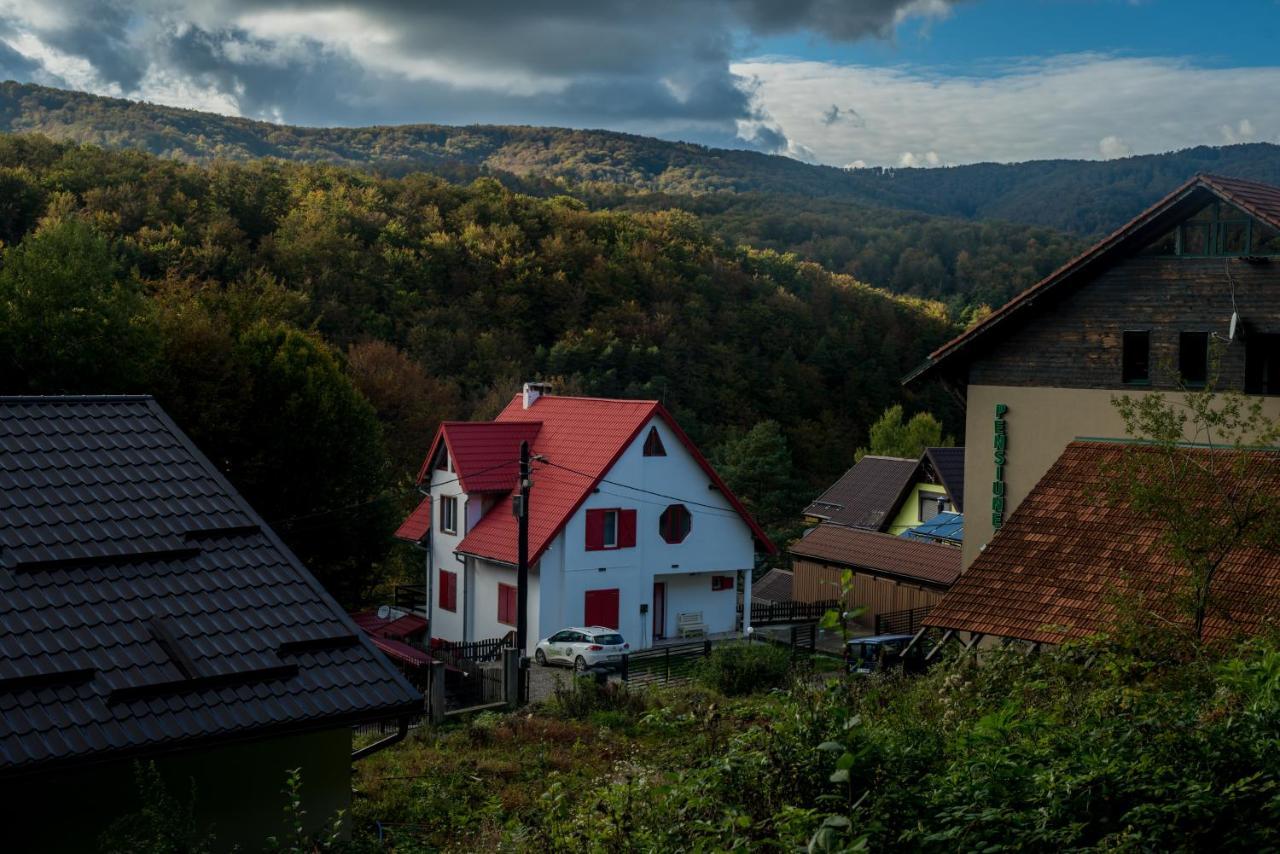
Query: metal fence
(906, 622)
(479, 651)
(778, 613)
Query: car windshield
(609, 640)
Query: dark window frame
(449, 514)
(1201, 353)
(1129, 369)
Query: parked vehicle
(582, 648)
(877, 653)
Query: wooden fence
(904, 622)
(778, 613)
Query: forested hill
(1085, 197)
(310, 324)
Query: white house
(629, 525)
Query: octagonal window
(675, 523)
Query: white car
(582, 648)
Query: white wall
(485, 623)
(720, 542)
(447, 624)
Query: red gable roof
(414, 528)
(1258, 200)
(485, 454)
(586, 435)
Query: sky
(841, 82)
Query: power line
(637, 488)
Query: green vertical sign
(1001, 449)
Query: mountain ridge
(1085, 197)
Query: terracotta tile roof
(867, 495)
(586, 435)
(774, 586)
(485, 454)
(1052, 570)
(417, 524)
(948, 463)
(1259, 200)
(928, 563)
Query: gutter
(401, 731)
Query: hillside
(278, 309)
(1085, 197)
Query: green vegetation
(893, 437)
(1107, 746)
(735, 669)
(309, 325)
(1084, 197)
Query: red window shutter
(600, 608)
(506, 604)
(448, 590)
(626, 529)
(595, 530)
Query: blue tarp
(945, 526)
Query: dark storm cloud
(659, 67)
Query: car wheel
(580, 664)
(540, 657)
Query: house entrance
(659, 610)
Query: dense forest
(1084, 197)
(309, 324)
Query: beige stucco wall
(1039, 424)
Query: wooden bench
(689, 623)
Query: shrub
(744, 668)
(585, 696)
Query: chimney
(533, 391)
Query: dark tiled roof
(929, 563)
(948, 463)
(774, 586)
(1054, 569)
(1260, 200)
(868, 494)
(144, 605)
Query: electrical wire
(637, 488)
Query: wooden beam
(942, 641)
(974, 640)
(907, 649)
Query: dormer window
(653, 444)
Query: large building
(629, 526)
(1192, 281)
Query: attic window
(653, 444)
(1218, 229)
(1136, 359)
(675, 523)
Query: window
(675, 523)
(448, 590)
(449, 514)
(507, 607)
(1262, 363)
(653, 444)
(442, 459)
(1216, 229)
(1193, 357)
(610, 529)
(723, 582)
(1136, 359)
(931, 504)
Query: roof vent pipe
(533, 391)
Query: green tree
(757, 466)
(891, 437)
(70, 319)
(309, 456)
(1211, 499)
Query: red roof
(414, 529)
(1069, 556)
(928, 563)
(401, 652)
(586, 435)
(1258, 200)
(485, 454)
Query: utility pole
(521, 510)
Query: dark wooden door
(601, 608)
(659, 610)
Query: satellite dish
(1231, 330)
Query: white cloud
(1080, 106)
(909, 159)
(1111, 147)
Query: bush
(586, 696)
(744, 668)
